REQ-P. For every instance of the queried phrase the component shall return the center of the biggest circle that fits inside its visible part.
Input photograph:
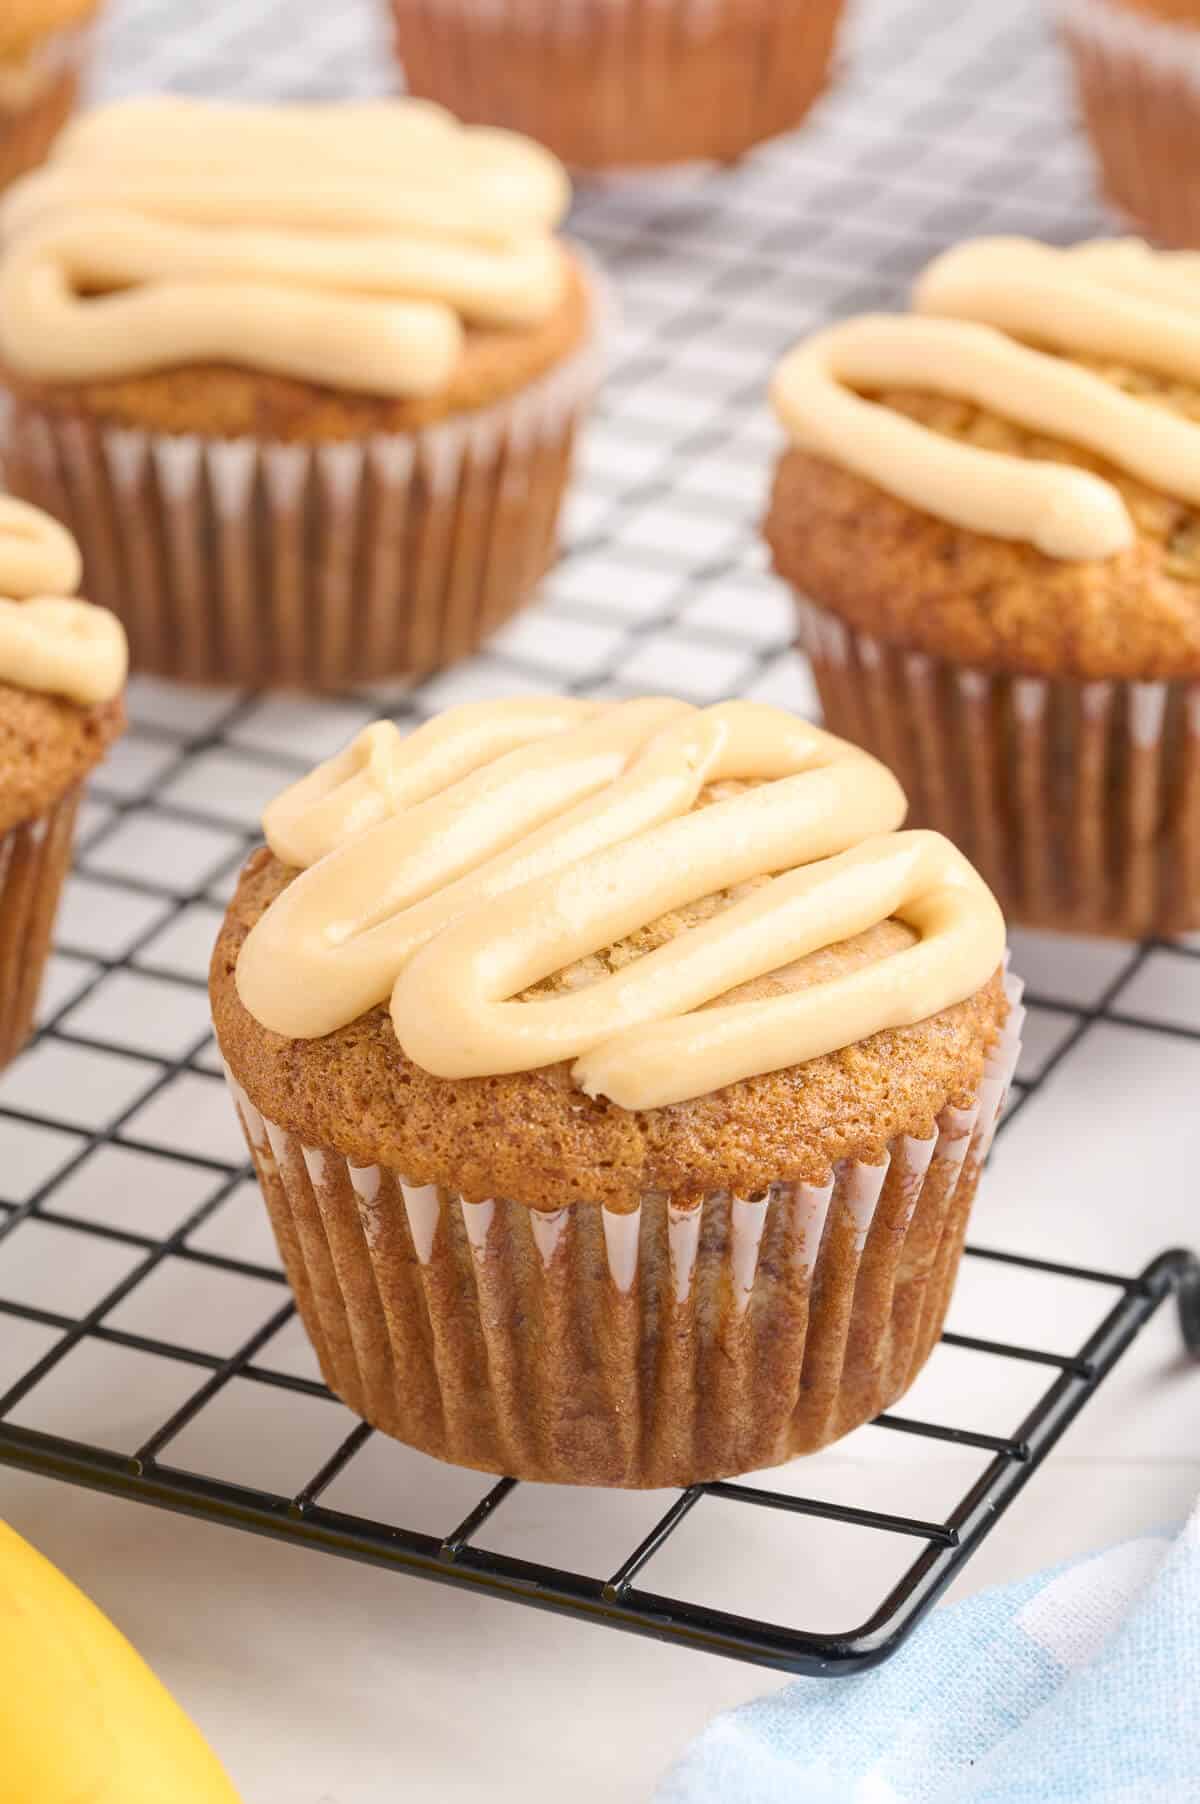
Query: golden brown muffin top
(62, 666)
(675, 947)
(1091, 570)
(458, 868)
(221, 402)
(987, 603)
(46, 745)
(354, 247)
(535, 1138)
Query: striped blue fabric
(1080, 1685)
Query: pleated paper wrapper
(35, 857)
(38, 98)
(610, 82)
(1138, 84)
(234, 561)
(1079, 802)
(690, 1339)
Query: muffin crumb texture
(218, 401)
(993, 604)
(47, 745)
(535, 1138)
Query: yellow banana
(83, 1720)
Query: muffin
(62, 670)
(990, 514)
(303, 381)
(42, 47)
(547, 1210)
(1136, 66)
(614, 82)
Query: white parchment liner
(609, 82)
(1138, 83)
(690, 1339)
(319, 565)
(1078, 801)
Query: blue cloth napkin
(1080, 1685)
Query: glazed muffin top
(1010, 475)
(288, 270)
(555, 949)
(24, 24)
(62, 666)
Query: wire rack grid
(147, 1346)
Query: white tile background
(120, 1170)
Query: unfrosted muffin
(595, 1152)
(1137, 75)
(304, 381)
(42, 47)
(62, 670)
(613, 82)
(990, 512)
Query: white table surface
(322, 1682)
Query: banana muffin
(62, 671)
(303, 381)
(618, 1081)
(1136, 65)
(990, 513)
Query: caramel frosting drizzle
(348, 244)
(996, 322)
(48, 642)
(459, 867)
(37, 555)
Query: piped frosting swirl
(349, 244)
(455, 870)
(996, 322)
(49, 642)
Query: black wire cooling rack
(139, 1296)
(453, 1558)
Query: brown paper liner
(320, 565)
(689, 1340)
(35, 857)
(1078, 802)
(28, 129)
(1138, 84)
(609, 82)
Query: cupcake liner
(35, 857)
(320, 565)
(1138, 83)
(609, 82)
(34, 110)
(1079, 802)
(690, 1339)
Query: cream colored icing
(37, 555)
(48, 642)
(500, 843)
(348, 244)
(976, 309)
